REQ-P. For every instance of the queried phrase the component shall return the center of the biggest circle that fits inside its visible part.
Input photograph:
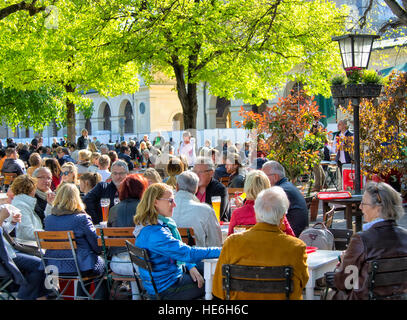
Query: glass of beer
(105, 203)
(216, 206)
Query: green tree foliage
(245, 49)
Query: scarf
(41, 194)
(174, 230)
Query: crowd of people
(156, 188)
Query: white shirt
(105, 174)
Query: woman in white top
(23, 188)
(187, 148)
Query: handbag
(21, 247)
(318, 236)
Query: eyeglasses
(367, 204)
(201, 172)
(46, 178)
(170, 200)
(119, 173)
(65, 173)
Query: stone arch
(178, 122)
(105, 113)
(223, 118)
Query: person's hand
(50, 197)
(196, 277)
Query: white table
(319, 262)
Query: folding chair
(387, 272)
(64, 240)
(341, 238)
(8, 180)
(257, 279)
(188, 236)
(140, 258)
(115, 238)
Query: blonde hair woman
(174, 168)
(152, 176)
(153, 224)
(256, 181)
(35, 162)
(83, 161)
(69, 173)
(68, 213)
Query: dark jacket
(126, 158)
(220, 172)
(236, 181)
(297, 213)
(384, 239)
(40, 208)
(92, 199)
(12, 166)
(83, 143)
(215, 188)
(24, 155)
(121, 215)
(347, 155)
(7, 266)
(86, 240)
(65, 158)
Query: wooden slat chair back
(341, 238)
(224, 181)
(115, 237)
(188, 236)
(140, 258)
(64, 240)
(8, 180)
(328, 217)
(387, 272)
(257, 279)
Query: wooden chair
(140, 258)
(387, 272)
(188, 236)
(8, 180)
(257, 279)
(341, 238)
(64, 240)
(328, 217)
(116, 238)
(224, 181)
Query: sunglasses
(65, 173)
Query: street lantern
(355, 49)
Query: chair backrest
(341, 238)
(9, 178)
(188, 236)
(224, 181)
(140, 258)
(387, 272)
(257, 279)
(115, 237)
(329, 217)
(55, 240)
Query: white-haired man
(190, 213)
(265, 245)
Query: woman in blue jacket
(157, 232)
(68, 213)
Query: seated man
(44, 179)
(297, 214)
(105, 190)
(11, 164)
(209, 187)
(220, 170)
(236, 171)
(64, 156)
(125, 155)
(190, 213)
(265, 245)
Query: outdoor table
(352, 209)
(319, 262)
(3, 198)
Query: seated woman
(174, 168)
(121, 215)
(24, 188)
(256, 181)
(69, 173)
(83, 161)
(94, 160)
(29, 265)
(88, 180)
(235, 170)
(35, 162)
(55, 168)
(157, 232)
(152, 176)
(68, 213)
(381, 238)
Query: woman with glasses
(381, 238)
(69, 173)
(176, 266)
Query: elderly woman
(24, 188)
(265, 245)
(157, 232)
(68, 213)
(83, 161)
(69, 173)
(381, 238)
(256, 181)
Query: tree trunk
(186, 95)
(70, 116)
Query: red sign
(348, 176)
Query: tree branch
(397, 10)
(22, 6)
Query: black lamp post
(355, 52)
